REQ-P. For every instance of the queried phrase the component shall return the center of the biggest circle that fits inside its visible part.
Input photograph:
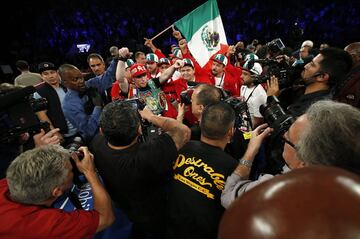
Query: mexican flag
(204, 31)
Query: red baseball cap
(137, 70)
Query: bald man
(298, 205)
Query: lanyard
(221, 81)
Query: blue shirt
(61, 93)
(73, 105)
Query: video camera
(275, 116)
(242, 114)
(277, 66)
(286, 74)
(275, 46)
(239, 55)
(17, 113)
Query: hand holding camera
(257, 137)
(146, 114)
(86, 164)
(273, 86)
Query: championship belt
(156, 102)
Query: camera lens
(275, 116)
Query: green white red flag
(204, 31)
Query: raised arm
(238, 182)
(154, 49)
(105, 80)
(170, 71)
(120, 70)
(179, 132)
(102, 200)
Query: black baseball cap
(44, 66)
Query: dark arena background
(38, 31)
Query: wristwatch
(247, 163)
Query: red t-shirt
(30, 221)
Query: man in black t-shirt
(200, 172)
(136, 173)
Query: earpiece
(317, 74)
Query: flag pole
(162, 32)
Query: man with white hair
(327, 134)
(307, 43)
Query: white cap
(251, 56)
(256, 69)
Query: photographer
(253, 95)
(136, 173)
(327, 134)
(34, 180)
(320, 76)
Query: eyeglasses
(288, 142)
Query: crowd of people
(54, 32)
(148, 144)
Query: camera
(74, 146)
(286, 74)
(17, 113)
(38, 104)
(242, 114)
(185, 96)
(275, 46)
(239, 55)
(275, 116)
(149, 130)
(136, 103)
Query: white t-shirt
(219, 81)
(257, 98)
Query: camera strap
(75, 200)
(221, 81)
(250, 94)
